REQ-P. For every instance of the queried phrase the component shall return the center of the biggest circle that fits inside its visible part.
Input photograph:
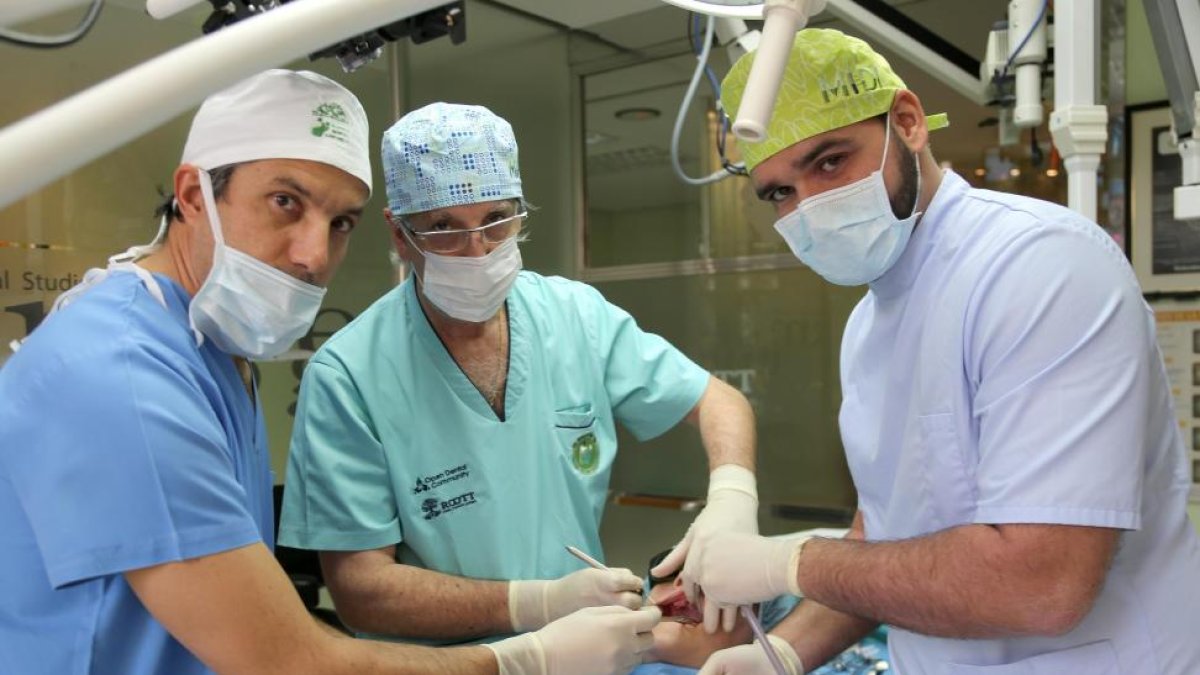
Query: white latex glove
(592, 641)
(732, 507)
(752, 660)
(742, 569)
(533, 604)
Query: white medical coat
(1005, 370)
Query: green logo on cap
(585, 454)
(844, 84)
(332, 121)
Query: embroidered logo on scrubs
(585, 454)
(433, 507)
(427, 483)
(332, 121)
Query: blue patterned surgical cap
(447, 154)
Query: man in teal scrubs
(453, 438)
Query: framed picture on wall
(1165, 252)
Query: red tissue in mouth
(677, 608)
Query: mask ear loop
(210, 205)
(887, 140)
(135, 253)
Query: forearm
(819, 633)
(367, 657)
(406, 601)
(971, 581)
(726, 423)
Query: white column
(1078, 125)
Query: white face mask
(850, 235)
(470, 288)
(245, 306)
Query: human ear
(189, 199)
(908, 120)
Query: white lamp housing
(1027, 33)
(782, 18)
(162, 9)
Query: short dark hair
(220, 183)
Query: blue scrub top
(1006, 371)
(394, 445)
(123, 445)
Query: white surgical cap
(448, 154)
(281, 114)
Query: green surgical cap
(831, 81)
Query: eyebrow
(507, 209)
(294, 185)
(802, 163)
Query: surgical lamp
(68, 134)
(782, 18)
(352, 53)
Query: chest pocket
(575, 429)
(1097, 658)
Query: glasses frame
(465, 234)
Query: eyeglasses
(453, 241)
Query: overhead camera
(355, 52)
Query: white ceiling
(582, 13)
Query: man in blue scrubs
(135, 489)
(460, 432)
(1006, 414)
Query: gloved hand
(732, 507)
(742, 569)
(533, 604)
(592, 641)
(752, 660)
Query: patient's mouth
(675, 607)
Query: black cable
(54, 41)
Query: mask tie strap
(214, 224)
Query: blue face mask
(245, 306)
(850, 235)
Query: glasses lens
(502, 230)
(445, 242)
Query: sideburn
(905, 199)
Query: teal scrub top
(394, 445)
